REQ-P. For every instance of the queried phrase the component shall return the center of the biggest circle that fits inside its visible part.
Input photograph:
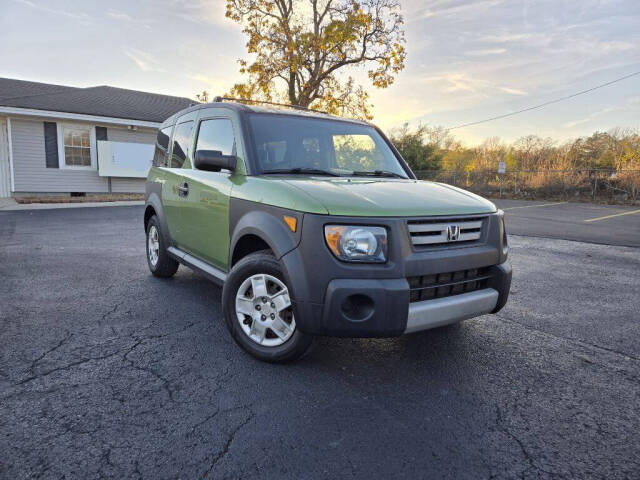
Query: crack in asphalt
(68, 367)
(227, 446)
(110, 312)
(215, 414)
(37, 360)
(577, 341)
(529, 459)
(128, 350)
(166, 384)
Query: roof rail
(265, 102)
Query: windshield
(288, 144)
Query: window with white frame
(75, 146)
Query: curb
(51, 206)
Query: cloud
(127, 19)
(454, 7)
(80, 17)
(506, 37)
(143, 60)
(201, 12)
(486, 51)
(592, 116)
(513, 91)
(198, 77)
(214, 86)
(459, 83)
(454, 81)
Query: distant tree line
(435, 148)
(603, 166)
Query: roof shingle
(102, 101)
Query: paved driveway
(106, 371)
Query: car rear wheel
(159, 261)
(257, 309)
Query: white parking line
(632, 212)
(540, 205)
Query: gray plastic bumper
(443, 311)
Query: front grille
(439, 285)
(435, 232)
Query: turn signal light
(291, 222)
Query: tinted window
(356, 152)
(181, 141)
(286, 142)
(162, 144)
(216, 134)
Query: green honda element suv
(315, 225)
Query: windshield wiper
(378, 173)
(303, 171)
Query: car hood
(389, 197)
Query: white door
(5, 171)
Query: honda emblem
(453, 232)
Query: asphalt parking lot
(108, 372)
(582, 222)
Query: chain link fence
(595, 184)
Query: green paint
(384, 197)
(204, 216)
(387, 197)
(199, 223)
(274, 190)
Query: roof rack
(265, 102)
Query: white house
(62, 140)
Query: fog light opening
(357, 307)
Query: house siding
(127, 185)
(30, 170)
(33, 176)
(131, 136)
(5, 168)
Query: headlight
(357, 243)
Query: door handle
(183, 189)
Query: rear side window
(216, 134)
(162, 145)
(181, 141)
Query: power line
(510, 114)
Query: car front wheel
(257, 309)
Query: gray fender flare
(153, 200)
(271, 228)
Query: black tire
(165, 266)
(262, 262)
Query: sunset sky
(467, 60)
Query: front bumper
(381, 307)
(336, 298)
(447, 310)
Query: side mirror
(214, 161)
